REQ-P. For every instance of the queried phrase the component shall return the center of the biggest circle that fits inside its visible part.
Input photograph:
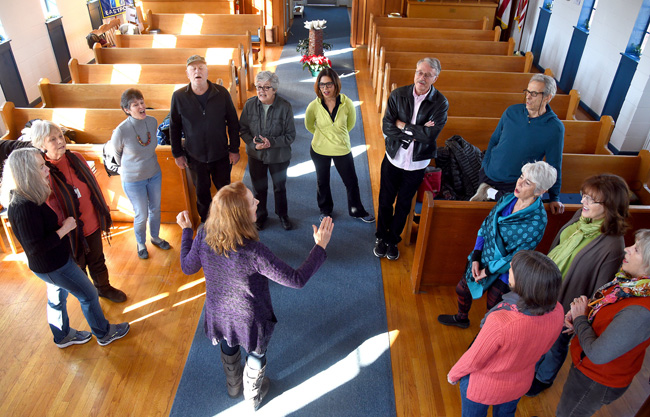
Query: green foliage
(303, 46)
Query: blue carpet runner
(329, 355)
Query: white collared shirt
(404, 157)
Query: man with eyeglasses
(414, 117)
(527, 132)
(205, 114)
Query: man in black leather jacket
(414, 117)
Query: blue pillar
(620, 85)
(573, 57)
(10, 80)
(540, 34)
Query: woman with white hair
(76, 193)
(517, 222)
(25, 190)
(267, 126)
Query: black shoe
(380, 248)
(286, 223)
(323, 215)
(112, 294)
(260, 222)
(393, 253)
(452, 320)
(161, 243)
(143, 254)
(368, 218)
(115, 331)
(537, 388)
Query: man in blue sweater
(526, 133)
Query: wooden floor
(139, 375)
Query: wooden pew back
(209, 24)
(213, 56)
(450, 46)
(193, 6)
(103, 96)
(152, 74)
(441, 250)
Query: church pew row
(209, 24)
(456, 80)
(482, 104)
(414, 22)
(430, 36)
(192, 41)
(91, 125)
(152, 74)
(192, 6)
(463, 62)
(447, 229)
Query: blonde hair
(22, 175)
(229, 221)
(40, 130)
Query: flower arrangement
(315, 63)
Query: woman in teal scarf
(588, 250)
(517, 222)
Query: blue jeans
(550, 364)
(472, 409)
(582, 396)
(145, 199)
(71, 279)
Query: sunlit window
(3, 34)
(639, 36)
(587, 14)
(50, 9)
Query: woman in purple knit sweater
(237, 268)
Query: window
(587, 14)
(548, 5)
(50, 9)
(3, 34)
(639, 36)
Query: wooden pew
(193, 6)
(431, 36)
(453, 80)
(209, 24)
(447, 230)
(153, 74)
(193, 41)
(103, 96)
(451, 9)
(414, 22)
(464, 62)
(482, 104)
(94, 126)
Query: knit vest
(619, 372)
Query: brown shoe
(112, 294)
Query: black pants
(345, 166)
(396, 186)
(202, 173)
(502, 188)
(94, 260)
(259, 178)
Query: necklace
(138, 136)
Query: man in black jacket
(203, 111)
(414, 117)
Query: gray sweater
(137, 162)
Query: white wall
(608, 36)
(76, 22)
(558, 36)
(633, 124)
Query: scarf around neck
(586, 229)
(621, 287)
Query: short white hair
(541, 174)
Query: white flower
(315, 24)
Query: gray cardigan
(595, 265)
(137, 162)
(280, 129)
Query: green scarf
(585, 231)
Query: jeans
(396, 186)
(202, 173)
(344, 164)
(582, 396)
(472, 409)
(550, 364)
(258, 171)
(94, 260)
(71, 279)
(145, 198)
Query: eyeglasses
(424, 74)
(588, 199)
(326, 85)
(263, 87)
(533, 94)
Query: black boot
(233, 369)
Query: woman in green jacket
(330, 117)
